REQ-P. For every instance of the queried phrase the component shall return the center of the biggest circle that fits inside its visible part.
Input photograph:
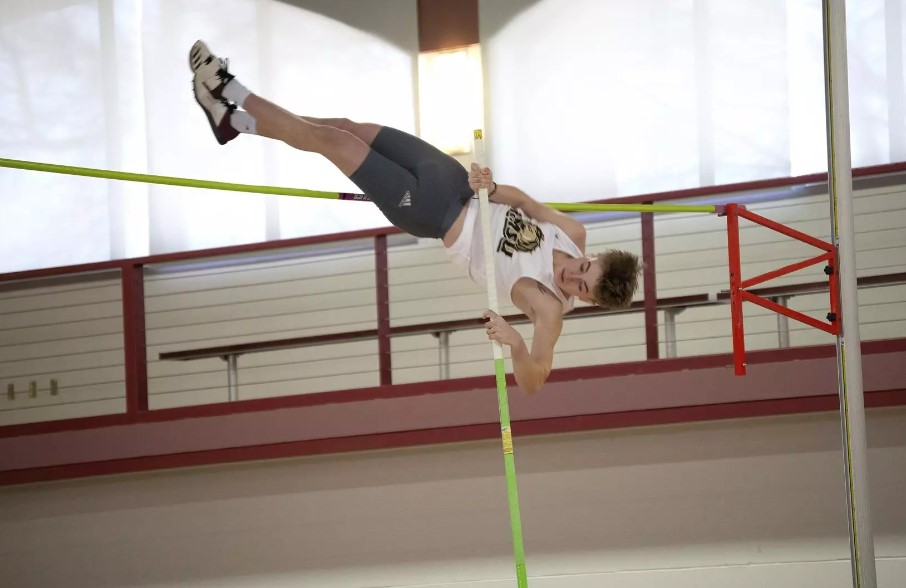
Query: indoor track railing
(671, 307)
(132, 272)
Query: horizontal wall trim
(459, 434)
(576, 399)
(656, 366)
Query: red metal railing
(738, 286)
(133, 281)
(131, 271)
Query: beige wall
(749, 503)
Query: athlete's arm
(531, 368)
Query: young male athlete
(539, 252)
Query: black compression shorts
(416, 186)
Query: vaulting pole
(509, 461)
(849, 353)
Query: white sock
(243, 122)
(235, 92)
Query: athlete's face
(578, 276)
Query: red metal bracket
(738, 292)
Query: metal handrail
(465, 324)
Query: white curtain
(106, 84)
(51, 110)
(590, 99)
(585, 99)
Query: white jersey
(523, 248)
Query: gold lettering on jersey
(519, 234)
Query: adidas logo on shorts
(406, 201)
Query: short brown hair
(619, 280)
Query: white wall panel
(71, 333)
(309, 291)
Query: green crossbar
(275, 190)
(171, 181)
